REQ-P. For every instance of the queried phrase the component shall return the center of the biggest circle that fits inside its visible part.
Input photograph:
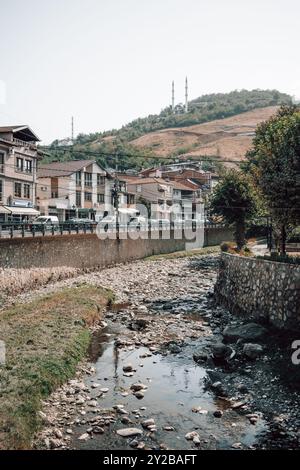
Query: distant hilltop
(218, 125)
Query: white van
(45, 222)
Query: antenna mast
(173, 97)
(72, 129)
(186, 96)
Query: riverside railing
(23, 230)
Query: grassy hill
(219, 125)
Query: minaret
(186, 96)
(173, 97)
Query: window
(130, 198)
(100, 180)
(1, 190)
(88, 179)
(1, 162)
(139, 188)
(18, 190)
(87, 196)
(28, 166)
(100, 198)
(78, 198)
(54, 194)
(20, 164)
(78, 178)
(27, 191)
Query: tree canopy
(235, 199)
(274, 163)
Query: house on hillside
(18, 172)
(74, 189)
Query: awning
(21, 211)
(3, 210)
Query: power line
(149, 157)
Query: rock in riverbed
(127, 432)
(247, 332)
(252, 351)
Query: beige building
(18, 170)
(73, 189)
(156, 191)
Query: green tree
(274, 163)
(235, 199)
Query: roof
(139, 180)
(183, 186)
(24, 132)
(56, 169)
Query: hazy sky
(110, 61)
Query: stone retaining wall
(256, 288)
(87, 251)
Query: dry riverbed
(161, 373)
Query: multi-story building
(18, 169)
(71, 189)
(154, 191)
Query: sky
(107, 62)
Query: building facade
(18, 172)
(73, 189)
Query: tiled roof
(23, 130)
(56, 169)
(139, 180)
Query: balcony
(22, 143)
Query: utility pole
(116, 198)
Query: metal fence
(22, 230)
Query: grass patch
(45, 339)
(208, 250)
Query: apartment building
(73, 189)
(18, 170)
(156, 191)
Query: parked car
(76, 222)
(45, 222)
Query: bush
(281, 258)
(225, 246)
(230, 247)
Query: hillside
(228, 138)
(219, 125)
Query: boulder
(221, 351)
(127, 432)
(247, 332)
(252, 350)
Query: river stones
(128, 432)
(247, 332)
(252, 351)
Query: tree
(274, 163)
(235, 199)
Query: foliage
(231, 248)
(235, 199)
(281, 258)
(274, 163)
